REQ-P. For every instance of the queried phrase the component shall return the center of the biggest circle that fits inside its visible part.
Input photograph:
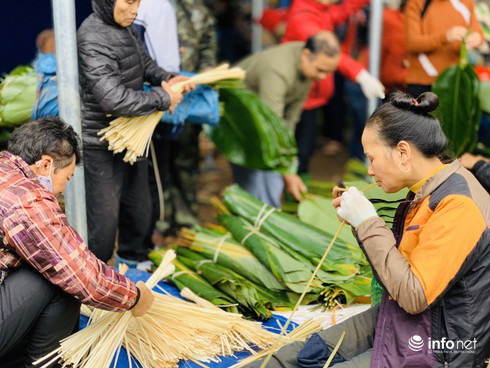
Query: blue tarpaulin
(274, 325)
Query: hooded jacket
(435, 269)
(113, 67)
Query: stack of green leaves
(251, 135)
(17, 95)
(221, 247)
(285, 268)
(184, 277)
(255, 299)
(305, 239)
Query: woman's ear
(404, 151)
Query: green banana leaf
(17, 95)
(285, 268)
(324, 276)
(295, 234)
(319, 212)
(256, 299)
(250, 134)
(232, 255)
(184, 277)
(459, 110)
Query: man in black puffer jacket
(113, 67)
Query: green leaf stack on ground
(285, 268)
(257, 300)
(184, 277)
(303, 238)
(229, 254)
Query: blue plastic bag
(46, 102)
(200, 106)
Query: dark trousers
(357, 105)
(415, 90)
(334, 112)
(34, 316)
(118, 198)
(305, 133)
(355, 351)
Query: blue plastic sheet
(274, 325)
(200, 106)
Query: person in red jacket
(308, 17)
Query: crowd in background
(417, 45)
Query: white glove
(371, 87)
(355, 208)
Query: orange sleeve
(445, 241)
(417, 42)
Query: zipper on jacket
(385, 297)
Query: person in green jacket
(282, 76)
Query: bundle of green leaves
(250, 134)
(17, 95)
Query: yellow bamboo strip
(334, 351)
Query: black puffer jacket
(113, 67)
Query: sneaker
(139, 265)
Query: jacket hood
(105, 10)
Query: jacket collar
(18, 163)
(436, 180)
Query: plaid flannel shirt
(34, 230)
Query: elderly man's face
(317, 67)
(125, 12)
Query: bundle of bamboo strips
(172, 330)
(96, 345)
(134, 134)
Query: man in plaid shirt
(46, 270)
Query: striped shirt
(34, 231)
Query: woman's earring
(405, 172)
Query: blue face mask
(46, 181)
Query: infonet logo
(416, 343)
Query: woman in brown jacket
(433, 32)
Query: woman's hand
(473, 40)
(180, 78)
(175, 97)
(145, 302)
(354, 207)
(295, 186)
(337, 195)
(456, 33)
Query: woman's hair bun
(424, 104)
